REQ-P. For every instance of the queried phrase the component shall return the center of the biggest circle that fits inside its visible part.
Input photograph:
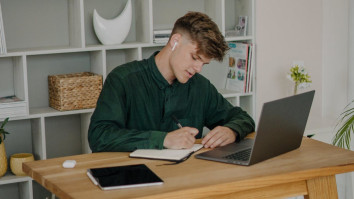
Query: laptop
(280, 129)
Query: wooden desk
(308, 171)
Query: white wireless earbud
(174, 46)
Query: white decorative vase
(113, 31)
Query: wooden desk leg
(322, 188)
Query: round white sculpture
(113, 31)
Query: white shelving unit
(57, 37)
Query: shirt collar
(161, 82)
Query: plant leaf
(343, 135)
(2, 130)
(4, 123)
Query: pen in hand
(192, 131)
(176, 121)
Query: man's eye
(194, 58)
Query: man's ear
(174, 40)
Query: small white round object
(69, 164)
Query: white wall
(351, 52)
(315, 32)
(349, 181)
(335, 57)
(320, 33)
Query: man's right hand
(182, 138)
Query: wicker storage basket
(74, 91)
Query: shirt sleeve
(220, 112)
(107, 130)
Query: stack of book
(161, 36)
(240, 67)
(2, 36)
(12, 106)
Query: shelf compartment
(234, 9)
(17, 142)
(63, 141)
(67, 139)
(40, 66)
(12, 83)
(139, 29)
(41, 23)
(18, 139)
(16, 187)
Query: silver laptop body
(280, 129)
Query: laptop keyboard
(243, 155)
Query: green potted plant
(3, 157)
(346, 127)
(299, 76)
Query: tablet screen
(124, 176)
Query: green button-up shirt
(136, 106)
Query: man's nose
(198, 67)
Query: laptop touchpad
(244, 144)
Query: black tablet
(123, 177)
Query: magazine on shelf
(250, 69)
(247, 80)
(9, 99)
(237, 67)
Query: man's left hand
(219, 136)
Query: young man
(141, 99)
